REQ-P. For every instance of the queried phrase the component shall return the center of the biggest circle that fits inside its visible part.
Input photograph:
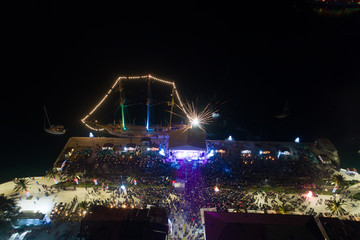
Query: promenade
(184, 207)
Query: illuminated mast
(148, 104)
(175, 94)
(172, 106)
(122, 102)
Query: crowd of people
(77, 161)
(110, 163)
(152, 180)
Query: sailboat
(285, 112)
(53, 129)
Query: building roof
(340, 229)
(187, 147)
(110, 223)
(193, 137)
(260, 226)
(30, 215)
(108, 145)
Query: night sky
(253, 57)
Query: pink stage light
(309, 194)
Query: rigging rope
(83, 120)
(47, 118)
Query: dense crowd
(233, 173)
(77, 161)
(110, 163)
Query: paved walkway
(39, 202)
(44, 204)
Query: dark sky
(253, 56)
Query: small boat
(285, 112)
(53, 129)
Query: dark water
(31, 151)
(31, 158)
(36, 155)
(276, 52)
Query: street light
(124, 189)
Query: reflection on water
(334, 8)
(335, 12)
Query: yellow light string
(96, 107)
(112, 88)
(173, 83)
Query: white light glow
(309, 194)
(195, 122)
(123, 188)
(210, 154)
(188, 154)
(215, 115)
(43, 205)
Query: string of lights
(83, 120)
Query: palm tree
(338, 180)
(21, 184)
(52, 173)
(283, 209)
(71, 174)
(336, 207)
(8, 208)
(91, 173)
(240, 208)
(83, 205)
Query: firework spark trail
(198, 119)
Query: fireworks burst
(197, 119)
